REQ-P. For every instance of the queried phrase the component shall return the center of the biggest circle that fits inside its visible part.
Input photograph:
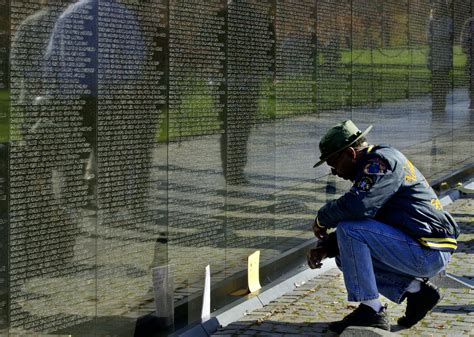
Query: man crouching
(391, 231)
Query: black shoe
(363, 316)
(419, 304)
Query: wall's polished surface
(137, 134)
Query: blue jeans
(378, 258)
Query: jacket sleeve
(375, 183)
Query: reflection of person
(440, 54)
(292, 46)
(246, 74)
(391, 230)
(332, 53)
(71, 75)
(29, 94)
(102, 85)
(27, 53)
(112, 65)
(467, 45)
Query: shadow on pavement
(454, 309)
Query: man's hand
(319, 231)
(315, 256)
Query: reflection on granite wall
(140, 134)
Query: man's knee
(354, 229)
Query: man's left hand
(315, 256)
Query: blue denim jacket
(390, 189)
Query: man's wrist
(318, 224)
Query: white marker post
(206, 296)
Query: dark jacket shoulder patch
(375, 166)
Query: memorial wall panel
(419, 80)
(131, 37)
(366, 38)
(440, 65)
(295, 82)
(463, 80)
(4, 160)
(47, 189)
(249, 138)
(419, 75)
(393, 49)
(144, 140)
(333, 43)
(390, 62)
(196, 109)
(438, 84)
(333, 81)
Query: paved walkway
(307, 310)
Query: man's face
(342, 164)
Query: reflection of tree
(367, 36)
(366, 23)
(332, 41)
(196, 68)
(4, 41)
(467, 45)
(395, 23)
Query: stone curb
(454, 194)
(359, 331)
(240, 308)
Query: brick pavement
(307, 310)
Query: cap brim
(323, 160)
(320, 163)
